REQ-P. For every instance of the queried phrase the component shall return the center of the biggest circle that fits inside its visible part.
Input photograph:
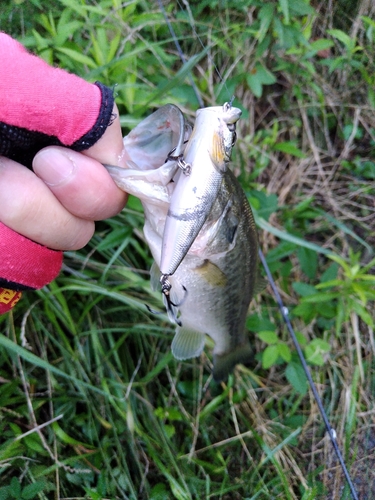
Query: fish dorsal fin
(187, 343)
(260, 283)
(212, 273)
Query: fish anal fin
(225, 363)
(187, 343)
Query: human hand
(54, 206)
(57, 204)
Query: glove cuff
(24, 265)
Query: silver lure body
(207, 154)
(209, 252)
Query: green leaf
(255, 84)
(284, 5)
(265, 76)
(212, 406)
(308, 260)
(32, 490)
(321, 297)
(321, 344)
(169, 430)
(77, 56)
(264, 204)
(321, 44)
(305, 311)
(65, 438)
(164, 361)
(315, 350)
(296, 377)
(64, 31)
(284, 352)
(289, 148)
(15, 488)
(265, 15)
(330, 273)
(268, 337)
(301, 338)
(4, 492)
(159, 492)
(342, 37)
(257, 323)
(301, 8)
(258, 77)
(362, 313)
(33, 442)
(303, 289)
(270, 355)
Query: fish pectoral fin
(187, 343)
(217, 152)
(224, 363)
(212, 274)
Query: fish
(199, 227)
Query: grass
(124, 418)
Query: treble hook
(166, 288)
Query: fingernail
(53, 166)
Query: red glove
(40, 106)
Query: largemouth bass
(199, 227)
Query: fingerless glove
(40, 106)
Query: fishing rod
(283, 309)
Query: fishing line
(285, 314)
(182, 55)
(284, 310)
(180, 52)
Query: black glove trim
(104, 120)
(21, 145)
(14, 286)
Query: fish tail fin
(224, 363)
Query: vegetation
(124, 419)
